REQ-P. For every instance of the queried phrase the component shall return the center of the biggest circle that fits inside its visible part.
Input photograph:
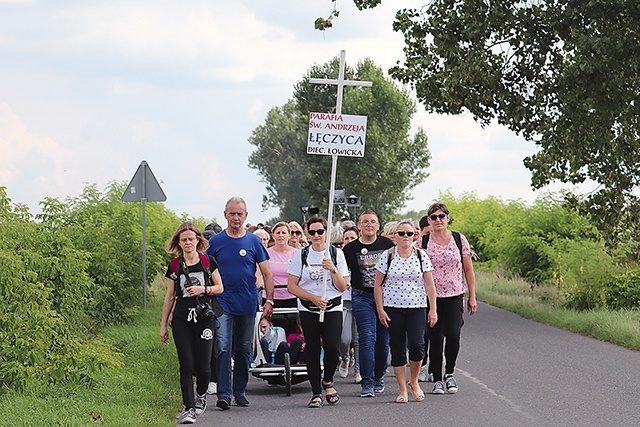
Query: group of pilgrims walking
(372, 299)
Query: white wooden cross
(341, 83)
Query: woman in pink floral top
(453, 276)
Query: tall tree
(563, 73)
(393, 163)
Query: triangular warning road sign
(144, 185)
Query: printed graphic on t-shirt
(197, 279)
(367, 263)
(315, 273)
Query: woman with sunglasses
(453, 276)
(297, 235)
(404, 284)
(306, 282)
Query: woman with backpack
(453, 275)
(193, 281)
(404, 282)
(306, 282)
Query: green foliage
(142, 388)
(621, 327)
(543, 243)
(381, 179)
(564, 74)
(623, 291)
(72, 269)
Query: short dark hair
(438, 206)
(424, 222)
(315, 219)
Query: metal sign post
(144, 187)
(340, 83)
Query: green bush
(68, 272)
(623, 291)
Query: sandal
(402, 398)
(418, 394)
(316, 401)
(332, 398)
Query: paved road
(511, 372)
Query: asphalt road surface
(511, 372)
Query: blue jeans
(373, 338)
(233, 338)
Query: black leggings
(406, 331)
(194, 345)
(321, 335)
(448, 326)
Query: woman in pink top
(280, 255)
(453, 276)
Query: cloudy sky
(89, 89)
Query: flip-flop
(417, 395)
(402, 398)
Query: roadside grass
(143, 391)
(543, 304)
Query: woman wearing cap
(306, 282)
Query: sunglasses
(439, 216)
(313, 232)
(296, 233)
(404, 233)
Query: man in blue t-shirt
(238, 252)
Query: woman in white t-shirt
(306, 274)
(404, 283)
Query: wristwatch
(270, 301)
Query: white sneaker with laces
(187, 417)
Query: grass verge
(143, 391)
(541, 303)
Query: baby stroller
(287, 373)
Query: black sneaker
(450, 383)
(200, 403)
(223, 403)
(242, 401)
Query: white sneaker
(357, 378)
(187, 417)
(422, 376)
(213, 388)
(343, 372)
